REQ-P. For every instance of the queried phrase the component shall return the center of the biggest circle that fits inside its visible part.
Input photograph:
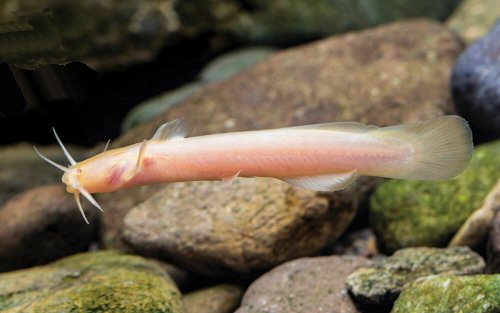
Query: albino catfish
(323, 157)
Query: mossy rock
(91, 282)
(408, 213)
(451, 294)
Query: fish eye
(79, 171)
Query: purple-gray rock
(304, 285)
(476, 83)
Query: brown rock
(304, 285)
(42, 225)
(213, 228)
(215, 299)
(386, 75)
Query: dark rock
(381, 284)
(285, 21)
(303, 285)
(91, 282)
(476, 83)
(451, 294)
(42, 225)
(493, 259)
(56, 31)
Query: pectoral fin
(131, 174)
(327, 182)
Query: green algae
(381, 283)
(91, 282)
(451, 294)
(424, 213)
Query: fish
(321, 157)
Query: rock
(151, 108)
(91, 282)
(473, 18)
(493, 247)
(360, 242)
(219, 69)
(215, 299)
(476, 84)
(55, 31)
(21, 169)
(352, 77)
(451, 294)
(42, 225)
(289, 21)
(252, 225)
(116, 205)
(303, 285)
(381, 284)
(475, 229)
(344, 78)
(234, 62)
(408, 213)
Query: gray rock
(216, 299)
(303, 285)
(381, 284)
(42, 225)
(232, 63)
(251, 225)
(149, 109)
(451, 294)
(91, 282)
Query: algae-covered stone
(381, 284)
(91, 282)
(473, 18)
(451, 294)
(409, 213)
(215, 299)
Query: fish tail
(442, 147)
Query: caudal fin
(442, 147)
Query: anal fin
(325, 182)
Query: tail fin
(443, 147)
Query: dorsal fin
(341, 126)
(174, 129)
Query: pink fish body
(324, 157)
